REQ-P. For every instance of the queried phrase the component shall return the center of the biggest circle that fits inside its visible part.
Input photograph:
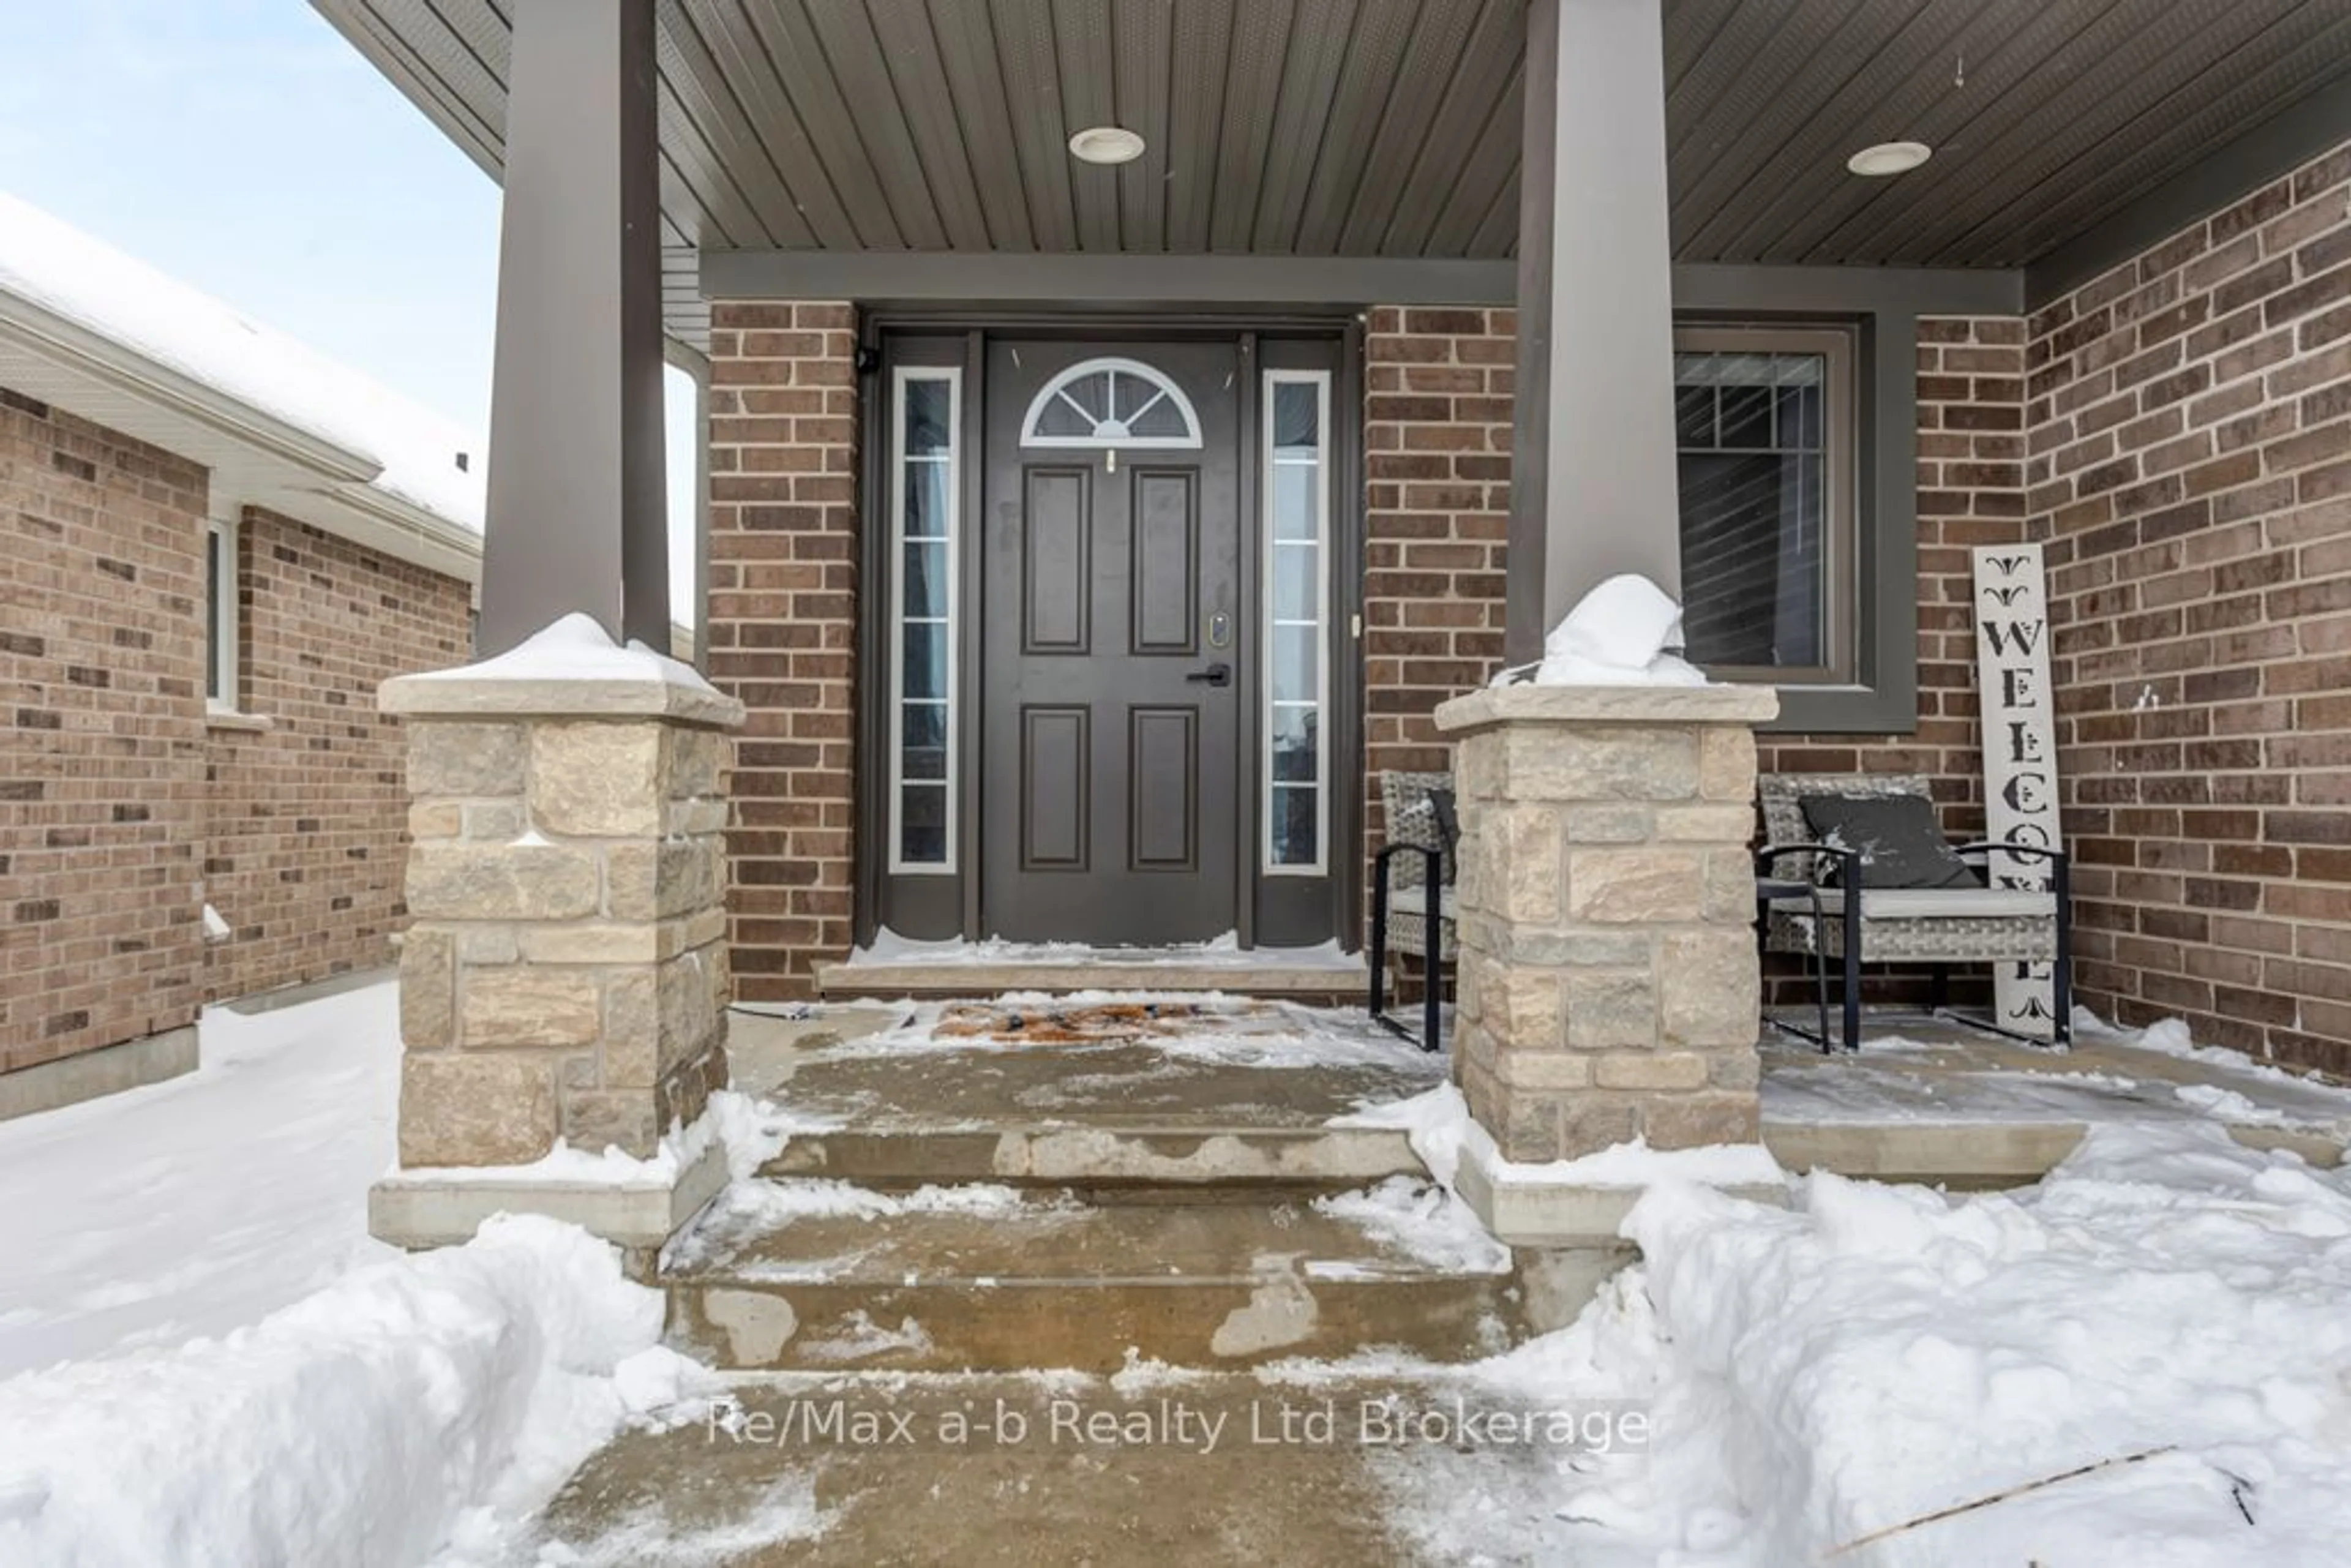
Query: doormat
(1104, 1023)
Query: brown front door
(1110, 696)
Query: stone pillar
(566, 972)
(1608, 983)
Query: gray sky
(243, 146)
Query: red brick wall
(1970, 493)
(2192, 471)
(781, 627)
(101, 781)
(307, 820)
(1437, 388)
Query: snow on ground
(192, 1206)
(2137, 1078)
(421, 1406)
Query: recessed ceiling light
(1889, 158)
(1106, 144)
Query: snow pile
(1444, 1133)
(576, 647)
(424, 1403)
(751, 1132)
(66, 272)
(1425, 1223)
(2162, 1322)
(1627, 631)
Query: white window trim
(953, 376)
(1149, 375)
(1321, 382)
(221, 662)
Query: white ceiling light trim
(1889, 158)
(1106, 144)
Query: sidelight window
(1763, 423)
(1297, 512)
(220, 616)
(924, 496)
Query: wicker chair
(1937, 926)
(1412, 859)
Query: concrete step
(1111, 970)
(1176, 1163)
(820, 1275)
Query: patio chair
(1856, 922)
(1416, 859)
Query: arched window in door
(1113, 404)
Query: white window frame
(1116, 366)
(1267, 788)
(900, 377)
(220, 658)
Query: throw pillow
(1900, 843)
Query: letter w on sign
(2012, 616)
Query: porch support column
(1592, 478)
(576, 516)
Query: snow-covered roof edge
(115, 297)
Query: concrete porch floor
(1924, 1100)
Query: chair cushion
(1932, 903)
(1900, 843)
(1414, 900)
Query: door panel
(1111, 791)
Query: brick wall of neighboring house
(306, 820)
(102, 778)
(2192, 471)
(782, 627)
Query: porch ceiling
(1391, 127)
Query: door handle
(1216, 674)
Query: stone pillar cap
(1658, 704)
(571, 668)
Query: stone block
(428, 988)
(1741, 1070)
(602, 942)
(486, 946)
(1524, 865)
(657, 880)
(1706, 824)
(1590, 824)
(475, 1110)
(459, 758)
(1727, 764)
(1714, 1001)
(1611, 1008)
(696, 765)
(1552, 763)
(625, 1119)
(1520, 1008)
(1529, 1127)
(1668, 1070)
(1634, 886)
(502, 881)
(1594, 1121)
(495, 821)
(1543, 1070)
(597, 779)
(523, 1006)
(1729, 896)
(436, 819)
(1696, 1121)
(707, 815)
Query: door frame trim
(879, 330)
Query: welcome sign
(2020, 746)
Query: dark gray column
(577, 516)
(1593, 488)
